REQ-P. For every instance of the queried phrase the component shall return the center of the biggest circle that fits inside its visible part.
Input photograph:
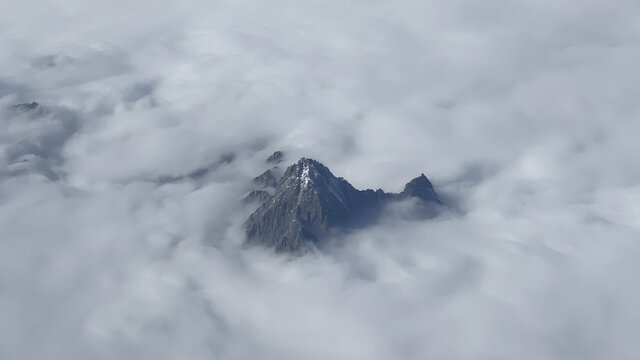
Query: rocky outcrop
(310, 203)
(26, 106)
(265, 180)
(276, 157)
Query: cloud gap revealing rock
(309, 203)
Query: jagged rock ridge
(26, 106)
(310, 203)
(265, 180)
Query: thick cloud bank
(120, 212)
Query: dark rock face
(310, 203)
(33, 109)
(26, 106)
(259, 196)
(420, 188)
(265, 180)
(276, 157)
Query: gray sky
(525, 116)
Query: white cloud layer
(120, 220)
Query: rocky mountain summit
(309, 203)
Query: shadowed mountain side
(259, 196)
(310, 203)
(265, 180)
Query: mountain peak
(307, 163)
(306, 168)
(420, 187)
(310, 202)
(421, 180)
(276, 157)
(310, 174)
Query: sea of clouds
(120, 215)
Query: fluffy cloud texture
(120, 221)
